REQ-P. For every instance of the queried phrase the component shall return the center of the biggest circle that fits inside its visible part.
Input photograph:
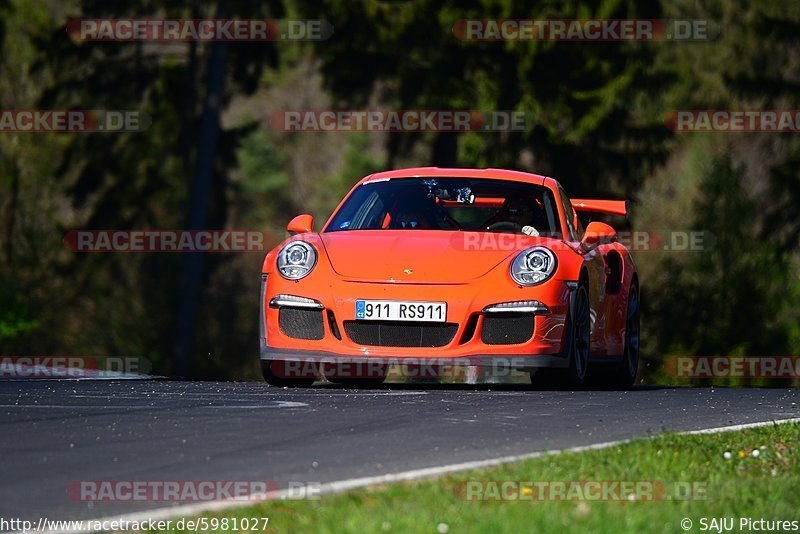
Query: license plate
(395, 310)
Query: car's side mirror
(301, 224)
(598, 233)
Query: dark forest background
(598, 125)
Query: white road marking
(340, 486)
(362, 393)
(273, 404)
(732, 428)
(202, 395)
(71, 408)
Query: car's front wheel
(577, 339)
(288, 374)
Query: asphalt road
(56, 432)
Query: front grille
(507, 328)
(400, 334)
(301, 323)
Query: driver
(518, 211)
(409, 219)
(413, 213)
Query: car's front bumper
(513, 361)
(468, 308)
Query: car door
(595, 267)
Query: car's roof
(496, 174)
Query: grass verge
(691, 475)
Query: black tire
(578, 339)
(623, 373)
(357, 375)
(276, 374)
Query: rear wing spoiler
(611, 207)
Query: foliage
(596, 109)
(750, 473)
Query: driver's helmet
(413, 213)
(518, 210)
(409, 219)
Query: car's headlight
(296, 260)
(533, 266)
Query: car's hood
(421, 256)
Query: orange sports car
(483, 267)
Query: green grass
(763, 486)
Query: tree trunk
(191, 286)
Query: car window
(469, 204)
(574, 225)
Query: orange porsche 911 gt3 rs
(446, 267)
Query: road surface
(54, 433)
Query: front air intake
(400, 334)
(507, 328)
(301, 323)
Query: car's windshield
(470, 204)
